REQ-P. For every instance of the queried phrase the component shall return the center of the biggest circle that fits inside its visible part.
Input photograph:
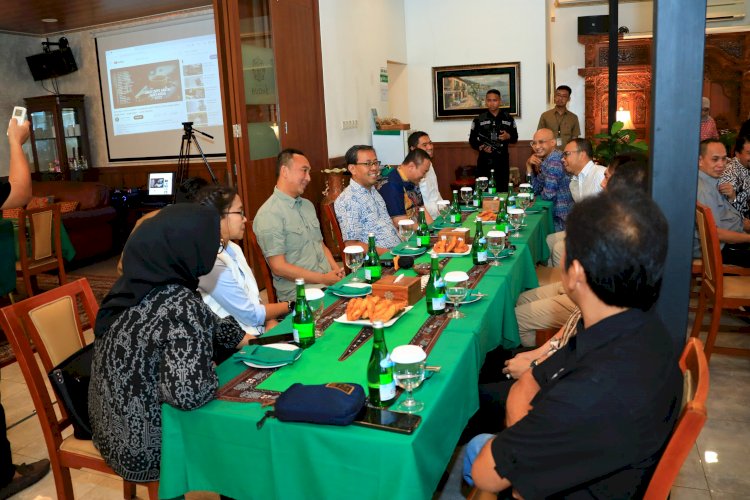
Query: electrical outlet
(348, 124)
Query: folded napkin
(343, 289)
(441, 223)
(401, 249)
(267, 356)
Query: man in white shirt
(586, 180)
(429, 185)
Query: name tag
(486, 122)
(504, 122)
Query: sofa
(90, 224)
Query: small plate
(467, 252)
(366, 322)
(411, 253)
(366, 289)
(283, 347)
(468, 208)
(472, 297)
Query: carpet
(100, 285)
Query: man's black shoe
(29, 474)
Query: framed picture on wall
(458, 91)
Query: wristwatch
(291, 305)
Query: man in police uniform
(491, 132)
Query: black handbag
(70, 380)
(331, 404)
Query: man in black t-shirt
(16, 193)
(491, 132)
(591, 420)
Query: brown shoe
(29, 474)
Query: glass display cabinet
(59, 137)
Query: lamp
(623, 115)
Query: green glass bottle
(373, 270)
(303, 324)
(477, 200)
(455, 213)
(501, 222)
(492, 186)
(510, 190)
(479, 247)
(423, 230)
(380, 382)
(435, 292)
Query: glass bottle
(502, 222)
(423, 230)
(435, 291)
(455, 213)
(479, 248)
(492, 186)
(380, 382)
(371, 264)
(303, 324)
(477, 201)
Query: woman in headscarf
(154, 339)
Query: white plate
(283, 347)
(366, 289)
(472, 298)
(467, 252)
(366, 322)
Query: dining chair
(265, 269)
(39, 247)
(329, 212)
(51, 323)
(694, 366)
(717, 291)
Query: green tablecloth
(217, 447)
(7, 257)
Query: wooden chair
(694, 366)
(330, 213)
(52, 322)
(717, 291)
(542, 336)
(39, 228)
(265, 269)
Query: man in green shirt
(563, 123)
(288, 230)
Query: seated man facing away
(735, 181)
(399, 189)
(288, 230)
(359, 208)
(591, 420)
(731, 227)
(548, 176)
(428, 186)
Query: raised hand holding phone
(19, 114)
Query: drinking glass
(495, 244)
(406, 229)
(516, 216)
(354, 256)
(523, 201)
(456, 288)
(466, 193)
(444, 208)
(482, 183)
(408, 372)
(314, 298)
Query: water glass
(456, 289)
(444, 208)
(482, 183)
(314, 298)
(495, 244)
(406, 229)
(408, 372)
(516, 217)
(466, 194)
(354, 256)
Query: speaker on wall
(52, 64)
(593, 25)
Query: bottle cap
(299, 281)
(377, 324)
(370, 235)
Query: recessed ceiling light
(49, 20)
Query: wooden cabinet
(59, 136)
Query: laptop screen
(160, 184)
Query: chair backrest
(710, 251)
(329, 212)
(265, 269)
(33, 320)
(694, 366)
(40, 228)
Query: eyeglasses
(568, 153)
(539, 143)
(370, 164)
(241, 212)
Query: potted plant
(618, 140)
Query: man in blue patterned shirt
(359, 208)
(735, 181)
(548, 176)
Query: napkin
(267, 356)
(441, 223)
(343, 289)
(401, 249)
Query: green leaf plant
(618, 140)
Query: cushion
(11, 213)
(88, 194)
(37, 202)
(68, 206)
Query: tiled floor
(717, 467)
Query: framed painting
(459, 91)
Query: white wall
(358, 37)
(447, 33)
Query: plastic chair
(717, 291)
(51, 321)
(265, 269)
(39, 228)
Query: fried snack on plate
(451, 244)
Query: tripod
(188, 139)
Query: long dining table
(219, 448)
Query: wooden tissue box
(408, 288)
(490, 204)
(458, 232)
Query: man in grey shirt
(288, 230)
(731, 227)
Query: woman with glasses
(230, 288)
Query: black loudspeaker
(593, 25)
(52, 64)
